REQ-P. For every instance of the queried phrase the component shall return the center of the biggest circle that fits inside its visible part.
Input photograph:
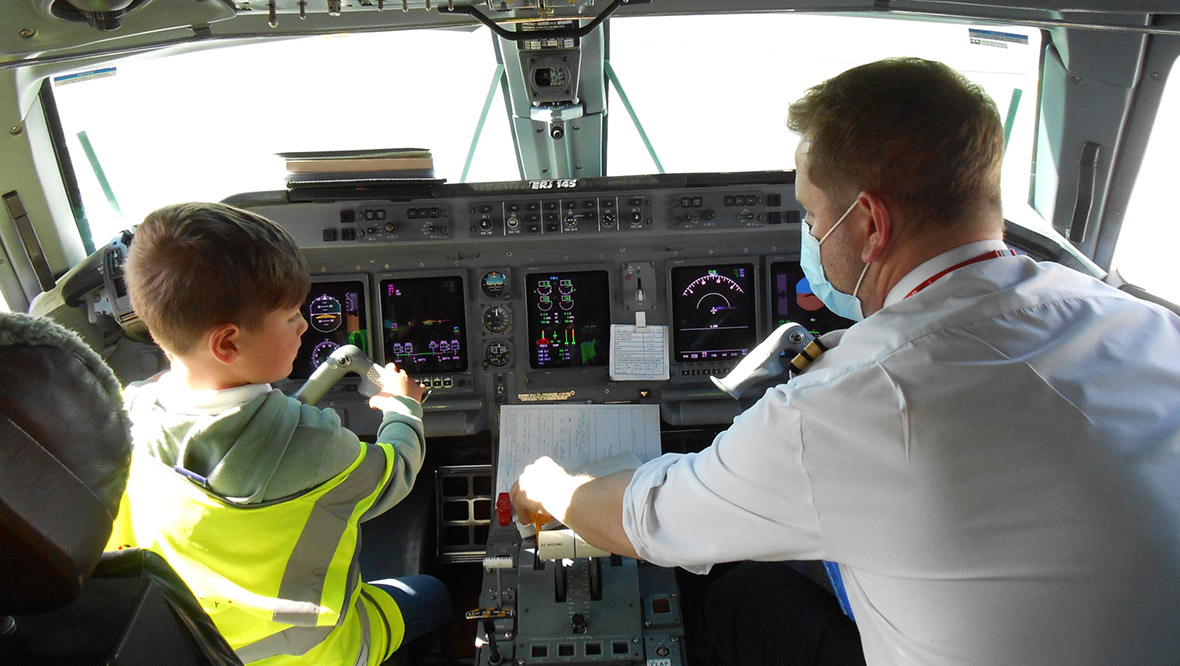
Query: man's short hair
(909, 128)
(194, 266)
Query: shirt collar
(932, 267)
(176, 397)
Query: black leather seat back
(65, 452)
(64, 455)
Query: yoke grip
(345, 359)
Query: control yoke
(765, 360)
(342, 361)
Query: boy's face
(267, 351)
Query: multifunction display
(713, 312)
(423, 324)
(794, 301)
(336, 314)
(568, 318)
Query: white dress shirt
(994, 462)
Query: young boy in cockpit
(254, 498)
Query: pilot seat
(64, 455)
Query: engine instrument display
(423, 325)
(713, 312)
(568, 319)
(336, 314)
(794, 301)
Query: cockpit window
(1145, 254)
(711, 92)
(207, 124)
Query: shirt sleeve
(401, 428)
(747, 496)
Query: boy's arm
(401, 428)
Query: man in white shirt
(992, 455)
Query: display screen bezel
(772, 310)
(380, 284)
(531, 324)
(682, 355)
(306, 345)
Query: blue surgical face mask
(845, 305)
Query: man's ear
(880, 226)
(223, 343)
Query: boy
(254, 498)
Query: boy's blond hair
(194, 266)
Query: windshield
(1150, 234)
(711, 93)
(205, 125)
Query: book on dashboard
(379, 164)
(359, 176)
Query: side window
(1146, 250)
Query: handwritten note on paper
(638, 352)
(574, 435)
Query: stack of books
(358, 166)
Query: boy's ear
(223, 343)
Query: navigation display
(337, 315)
(794, 301)
(423, 324)
(569, 319)
(713, 312)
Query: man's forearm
(596, 513)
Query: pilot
(254, 498)
(991, 454)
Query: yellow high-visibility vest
(280, 580)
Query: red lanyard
(983, 257)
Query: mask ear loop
(838, 222)
(860, 279)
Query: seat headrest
(65, 450)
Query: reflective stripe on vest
(303, 579)
(363, 657)
(254, 597)
(299, 640)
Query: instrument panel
(505, 293)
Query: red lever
(504, 509)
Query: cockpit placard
(337, 314)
